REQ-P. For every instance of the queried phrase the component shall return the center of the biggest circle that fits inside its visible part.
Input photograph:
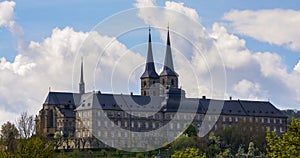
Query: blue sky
(239, 27)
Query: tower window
(172, 82)
(163, 81)
(145, 83)
(144, 92)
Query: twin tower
(153, 84)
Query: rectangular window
(132, 124)
(119, 123)
(268, 120)
(147, 125)
(224, 118)
(153, 125)
(280, 121)
(178, 125)
(250, 119)
(256, 119)
(262, 120)
(236, 119)
(171, 125)
(139, 125)
(230, 119)
(125, 123)
(274, 120)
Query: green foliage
(286, 146)
(191, 130)
(34, 148)
(183, 142)
(9, 134)
(188, 153)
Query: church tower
(149, 79)
(168, 77)
(81, 83)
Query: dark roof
(68, 112)
(150, 67)
(168, 69)
(62, 98)
(173, 104)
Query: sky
(248, 50)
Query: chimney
(203, 97)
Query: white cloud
(7, 13)
(250, 75)
(297, 67)
(275, 26)
(249, 90)
(49, 63)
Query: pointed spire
(150, 67)
(168, 63)
(81, 83)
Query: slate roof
(62, 98)
(93, 100)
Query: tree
(9, 134)
(188, 153)
(288, 145)
(34, 147)
(241, 153)
(182, 142)
(191, 130)
(25, 124)
(251, 150)
(58, 139)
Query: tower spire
(81, 83)
(168, 63)
(150, 67)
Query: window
(172, 82)
(99, 123)
(171, 125)
(274, 121)
(163, 81)
(132, 124)
(250, 119)
(224, 118)
(280, 121)
(99, 133)
(230, 119)
(280, 129)
(144, 92)
(268, 120)
(125, 123)
(236, 119)
(145, 83)
(119, 134)
(178, 125)
(105, 123)
(139, 125)
(153, 125)
(119, 123)
(256, 119)
(147, 125)
(262, 120)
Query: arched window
(145, 83)
(163, 81)
(172, 82)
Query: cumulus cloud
(249, 90)
(7, 13)
(249, 75)
(297, 67)
(54, 62)
(275, 26)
